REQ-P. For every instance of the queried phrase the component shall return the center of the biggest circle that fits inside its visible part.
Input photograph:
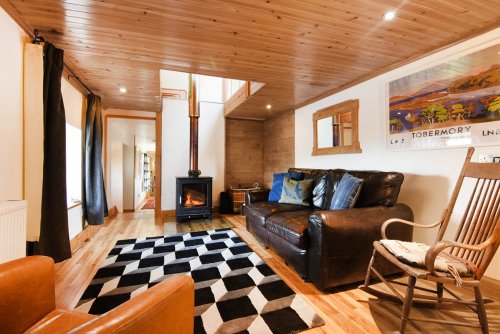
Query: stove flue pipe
(194, 115)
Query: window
(73, 164)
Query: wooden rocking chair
(474, 245)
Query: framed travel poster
(453, 104)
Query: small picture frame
(496, 159)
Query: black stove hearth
(194, 198)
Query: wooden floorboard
(345, 310)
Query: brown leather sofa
(330, 248)
(27, 305)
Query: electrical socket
(485, 158)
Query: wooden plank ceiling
(301, 49)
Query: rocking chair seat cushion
(413, 254)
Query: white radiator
(12, 230)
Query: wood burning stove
(193, 193)
(194, 198)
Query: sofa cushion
(275, 193)
(262, 210)
(347, 192)
(308, 173)
(291, 226)
(379, 188)
(296, 192)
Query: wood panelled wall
(244, 152)
(255, 150)
(279, 145)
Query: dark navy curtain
(54, 234)
(94, 197)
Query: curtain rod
(72, 75)
(37, 39)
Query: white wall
(174, 80)
(73, 103)
(210, 89)
(214, 93)
(75, 215)
(11, 108)
(175, 148)
(73, 107)
(429, 174)
(211, 149)
(117, 135)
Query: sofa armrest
(27, 292)
(167, 307)
(256, 196)
(341, 242)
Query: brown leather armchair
(27, 305)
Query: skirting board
(167, 213)
(89, 231)
(112, 212)
(81, 237)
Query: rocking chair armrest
(438, 247)
(407, 222)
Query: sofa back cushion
(379, 188)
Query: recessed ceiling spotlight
(268, 106)
(123, 90)
(389, 15)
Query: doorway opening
(130, 162)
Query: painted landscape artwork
(456, 103)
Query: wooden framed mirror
(336, 129)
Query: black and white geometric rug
(236, 292)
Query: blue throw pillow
(296, 192)
(275, 193)
(347, 192)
